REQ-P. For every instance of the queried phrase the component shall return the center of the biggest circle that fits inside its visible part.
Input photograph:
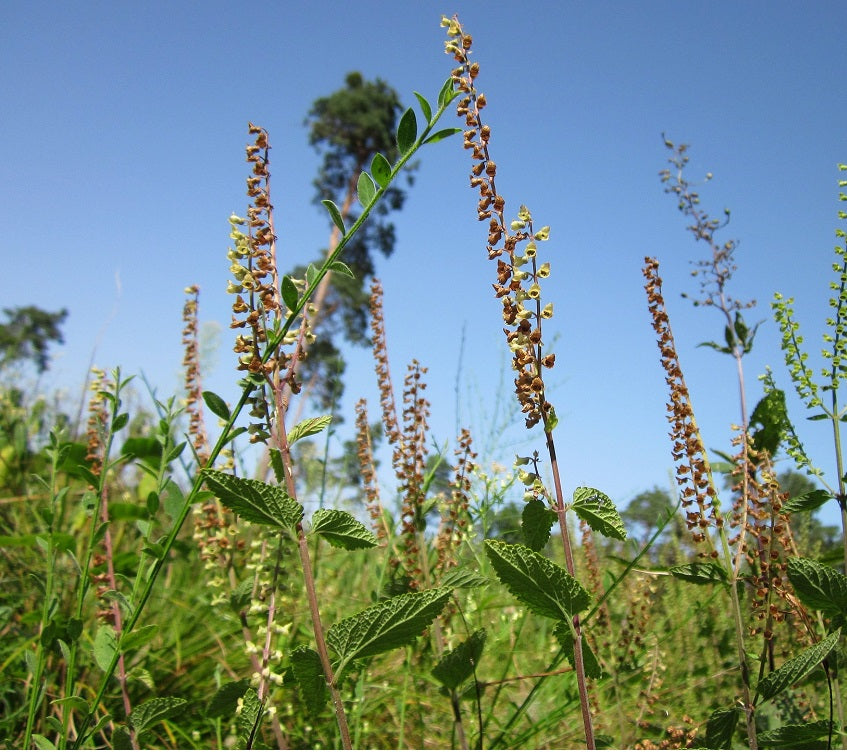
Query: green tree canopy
(28, 333)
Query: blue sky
(121, 157)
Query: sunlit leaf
(381, 170)
(365, 189)
(441, 135)
(819, 587)
(254, 500)
(407, 131)
(342, 530)
(105, 646)
(810, 735)
(216, 405)
(536, 521)
(700, 572)
(599, 512)
(153, 711)
(426, 108)
(807, 502)
(447, 92)
(796, 668)
(290, 294)
(341, 268)
(308, 427)
(335, 214)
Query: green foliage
(458, 664)
(254, 500)
(599, 512)
(342, 530)
(28, 333)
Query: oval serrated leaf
(720, 728)
(796, 736)
(290, 295)
(246, 720)
(795, 669)
(441, 135)
(309, 674)
(598, 512)
(151, 712)
(308, 427)
(254, 500)
(807, 502)
(426, 108)
(700, 572)
(407, 131)
(365, 189)
(381, 170)
(342, 530)
(389, 624)
(536, 522)
(335, 214)
(216, 405)
(819, 587)
(540, 584)
(589, 660)
(458, 664)
(225, 701)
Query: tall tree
(28, 333)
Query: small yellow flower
(517, 224)
(544, 270)
(531, 250)
(524, 214)
(547, 311)
(543, 233)
(534, 291)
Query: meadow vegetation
(164, 588)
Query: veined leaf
(536, 520)
(290, 294)
(254, 500)
(589, 660)
(462, 577)
(700, 572)
(381, 170)
(308, 427)
(795, 669)
(216, 405)
(151, 712)
(342, 268)
(770, 414)
(389, 624)
(121, 738)
(807, 502)
(720, 728)
(540, 584)
(365, 188)
(458, 664)
(335, 214)
(598, 511)
(225, 701)
(407, 131)
(342, 530)
(105, 646)
(311, 274)
(245, 721)
(307, 669)
(796, 736)
(441, 135)
(426, 108)
(819, 587)
(447, 92)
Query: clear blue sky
(121, 157)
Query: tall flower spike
(383, 372)
(191, 363)
(513, 243)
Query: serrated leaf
(335, 215)
(720, 728)
(818, 586)
(153, 711)
(589, 660)
(105, 646)
(140, 636)
(426, 108)
(245, 721)
(225, 701)
(341, 268)
(381, 170)
(441, 135)
(307, 669)
(771, 417)
(120, 737)
(536, 521)
(700, 573)
(462, 577)
(598, 512)
(290, 293)
(308, 427)
(389, 624)
(796, 736)
(795, 669)
(342, 530)
(216, 405)
(458, 664)
(407, 131)
(540, 584)
(446, 93)
(241, 595)
(254, 500)
(365, 189)
(806, 502)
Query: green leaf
(716, 346)
(819, 416)
(458, 664)
(381, 170)
(426, 108)
(700, 573)
(308, 427)
(75, 703)
(589, 660)
(120, 421)
(42, 742)
(307, 669)
(462, 577)
(241, 595)
(772, 418)
(389, 624)
(366, 189)
(335, 214)
(806, 502)
(598, 512)
(342, 268)
(140, 636)
(216, 405)
(225, 701)
(311, 274)
(407, 131)
(254, 500)
(245, 721)
(153, 711)
(105, 646)
(447, 92)
(797, 736)
(120, 737)
(342, 530)
(536, 521)
(795, 669)
(441, 135)
(540, 584)
(819, 587)
(142, 448)
(720, 728)
(290, 293)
